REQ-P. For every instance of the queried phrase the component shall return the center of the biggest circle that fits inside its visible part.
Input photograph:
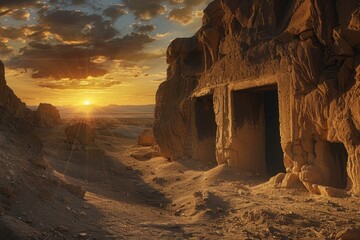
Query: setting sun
(87, 103)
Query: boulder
(47, 116)
(81, 133)
(350, 233)
(146, 138)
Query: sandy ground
(127, 198)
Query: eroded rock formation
(146, 138)
(47, 115)
(81, 133)
(15, 119)
(260, 68)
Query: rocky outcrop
(306, 50)
(81, 133)
(9, 102)
(47, 116)
(146, 138)
(15, 120)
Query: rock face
(9, 102)
(47, 115)
(146, 138)
(80, 133)
(15, 120)
(268, 86)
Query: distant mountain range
(120, 111)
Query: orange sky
(65, 52)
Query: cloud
(11, 33)
(18, 3)
(73, 25)
(57, 61)
(145, 10)
(16, 8)
(181, 15)
(114, 11)
(185, 15)
(78, 2)
(143, 28)
(80, 61)
(90, 83)
(20, 14)
(5, 49)
(67, 2)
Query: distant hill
(110, 111)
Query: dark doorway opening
(206, 128)
(273, 152)
(257, 129)
(338, 164)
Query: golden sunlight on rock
(255, 133)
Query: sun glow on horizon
(87, 103)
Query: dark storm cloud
(56, 61)
(68, 2)
(76, 61)
(67, 49)
(78, 2)
(5, 49)
(114, 11)
(78, 26)
(130, 47)
(11, 33)
(18, 3)
(145, 9)
(5, 12)
(20, 14)
(143, 28)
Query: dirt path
(157, 199)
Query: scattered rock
(47, 116)
(143, 154)
(80, 132)
(83, 236)
(159, 180)
(61, 229)
(350, 233)
(146, 138)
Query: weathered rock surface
(81, 133)
(146, 138)
(350, 233)
(47, 116)
(8, 100)
(14, 229)
(15, 119)
(26, 179)
(308, 50)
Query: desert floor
(155, 198)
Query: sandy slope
(157, 199)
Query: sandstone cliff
(14, 120)
(47, 115)
(308, 50)
(25, 177)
